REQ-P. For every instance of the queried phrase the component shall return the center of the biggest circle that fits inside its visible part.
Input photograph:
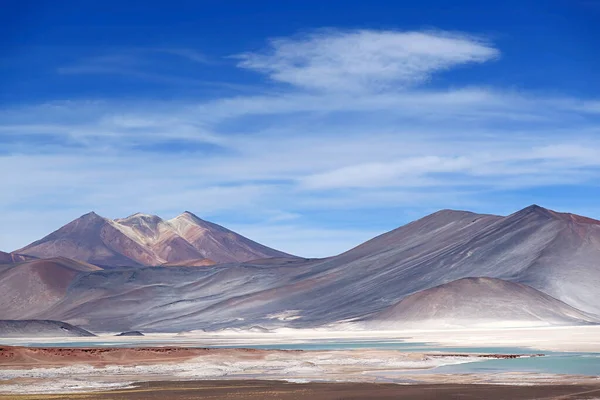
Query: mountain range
(451, 268)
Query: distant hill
(146, 240)
(478, 302)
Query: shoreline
(542, 339)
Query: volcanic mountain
(147, 240)
(553, 253)
(478, 302)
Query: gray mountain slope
(478, 301)
(554, 253)
(39, 328)
(30, 288)
(146, 240)
(11, 258)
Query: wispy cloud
(131, 60)
(365, 59)
(166, 66)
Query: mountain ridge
(552, 253)
(10, 258)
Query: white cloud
(485, 164)
(365, 60)
(397, 173)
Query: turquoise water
(556, 363)
(306, 346)
(401, 346)
(551, 362)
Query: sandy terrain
(26, 357)
(224, 390)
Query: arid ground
(252, 389)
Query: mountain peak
(535, 209)
(189, 218)
(140, 216)
(447, 216)
(189, 215)
(91, 215)
(450, 212)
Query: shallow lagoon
(307, 345)
(556, 363)
(552, 363)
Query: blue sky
(309, 126)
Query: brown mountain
(93, 239)
(146, 240)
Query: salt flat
(50, 370)
(553, 338)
